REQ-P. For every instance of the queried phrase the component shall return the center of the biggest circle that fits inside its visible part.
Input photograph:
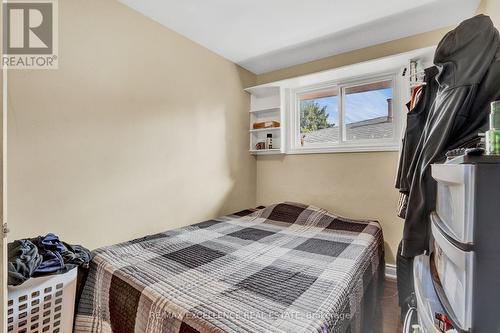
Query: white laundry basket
(44, 304)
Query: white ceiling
(266, 35)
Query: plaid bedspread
(284, 268)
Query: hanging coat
(415, 122)
(478, 119)
(463, 57)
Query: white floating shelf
(265, 129)
(266, 105)
(266, 109)
(265, 151)
(263, 91)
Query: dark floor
(390, 308)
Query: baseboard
(390, 271)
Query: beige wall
(491, 8)
(139, 130)
(357, 184)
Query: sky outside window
(366, 105)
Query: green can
(495, 115)
(493, 135)
(493, 142)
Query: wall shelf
(266, 105)
(267, 109)
(269, 129)
(266, 151)
(263, 91)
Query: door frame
(3, 191)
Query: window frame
(343, 145)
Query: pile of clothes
(44, 255)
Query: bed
(284, 268)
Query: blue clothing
(41, 256)
(50, 248)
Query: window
(344, 116)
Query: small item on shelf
(269, 141)
(266, 124)
(417, 73)
(473, 151)
(493, 134)
(413, 71)
(260, 145)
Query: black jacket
(478, 119)
(415, 123)
(463, 58)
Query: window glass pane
(319, 112)
(368, 111)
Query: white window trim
(393, 144)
